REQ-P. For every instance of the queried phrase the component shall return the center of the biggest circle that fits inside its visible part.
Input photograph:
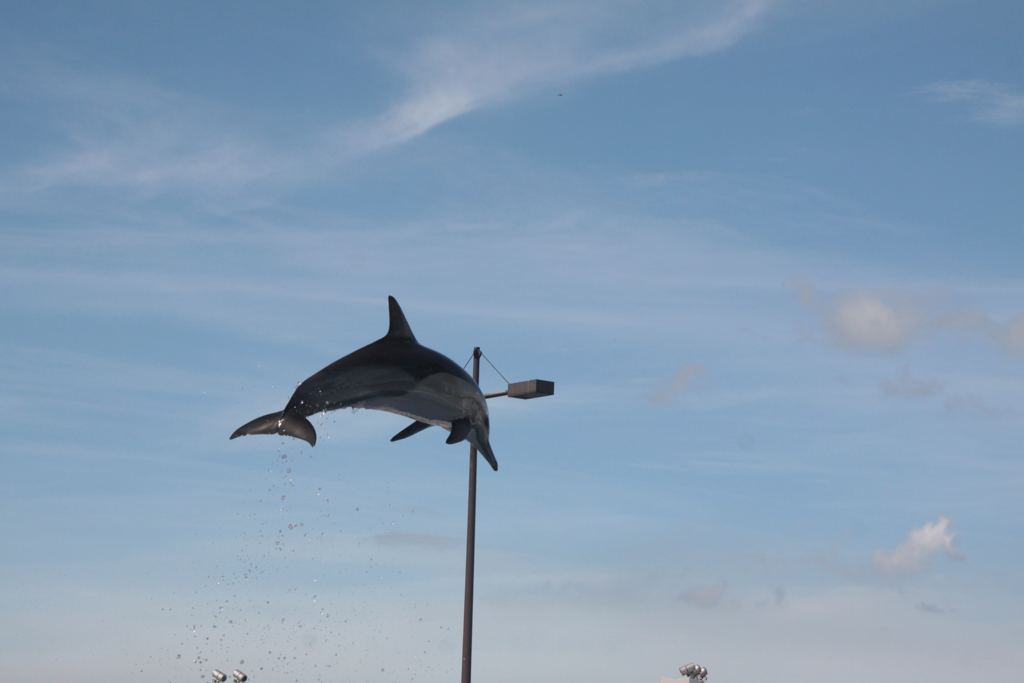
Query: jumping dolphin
(396, 374)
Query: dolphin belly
(437, 399)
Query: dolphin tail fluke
(298, 427)
(286, 424)
(415, 428)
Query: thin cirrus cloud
(974, 404)
(123, 132)
(995, 103)
(915, 555)
(968, 404)
(504, 55)
(428, 541)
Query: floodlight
(239, 676)
(219, 676)
(690, 669)
(531, 388)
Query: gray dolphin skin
(396, 374)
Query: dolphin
(396, 374)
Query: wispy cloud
(976, 405)
(915, 555)
(705, 596)
(127, 133)
(930, 608)
(676, 384)
(488, 59)
(1011, 335)
(908, 386)
(429, 541)
(123, 132)
(996, 103)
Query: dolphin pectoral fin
(415, 428)
(286, 424)
(460, 430)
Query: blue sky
(768, 250)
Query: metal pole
(467, 614)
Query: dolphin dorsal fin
(399, 328)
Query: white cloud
(888, 320)
(678, 383)
(864, 320)
(914, 556)
(489, 59)
(996, 103)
